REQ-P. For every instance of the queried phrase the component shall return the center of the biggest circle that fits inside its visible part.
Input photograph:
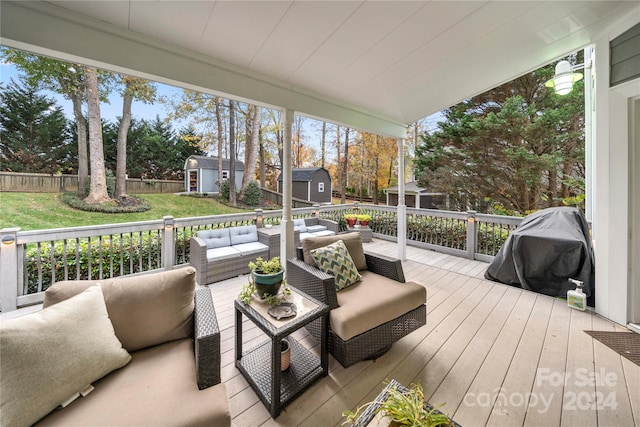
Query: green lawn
(37, 211)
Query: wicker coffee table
(261, 364)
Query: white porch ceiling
(397, 61)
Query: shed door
(193, 181)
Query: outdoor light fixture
(564, 79)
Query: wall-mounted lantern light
(564, 78)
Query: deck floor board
(492, 353)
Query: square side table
(260, 365)
(365, 232)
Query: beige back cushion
(352, 241)
(50, 355)
(145, 310)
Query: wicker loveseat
(223, 253)
(368, 317)
(315, 227)
(162, 333)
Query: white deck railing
(31, 261)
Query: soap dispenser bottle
(577, 299)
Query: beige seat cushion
(146, 309)
(49, 356)
(352, 241)
(157, 388)
(372, 302)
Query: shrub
(253, 194)
(134, 204)
(223, 193)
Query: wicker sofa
(162, 331)
(368, 317)
(223, 253)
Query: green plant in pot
(404, 409)
(267, 275)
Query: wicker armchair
(377, 340)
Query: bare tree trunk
(552, 193)
(98, 191)
(254, 118)
(280, 143)
(298, 126)
(263, 171)
(345, 167)
(220, 140)
(566, 171)
(232, 153)
(377, 168)
(338, 160)
(361, 169)
(322, 149)
(121, 160)
(83, 160)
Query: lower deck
(491, 354)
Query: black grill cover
(548, 248)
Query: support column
(402, 207)
(168, 243)
(589, 104)
(9, 268)
(287, 250)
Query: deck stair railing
(31, 261)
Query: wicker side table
(276, 389)
(365, 232)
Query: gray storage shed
(416, 197)
(201, 174)
(312, 184)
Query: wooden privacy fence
(44, 183)
(31, 261)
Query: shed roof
(304, 174)
(205, 162)
(410, 187)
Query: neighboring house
(416, 197)
(312, 184)
(201, 174)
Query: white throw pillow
(50, 355)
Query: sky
(112, 110)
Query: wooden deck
(492, 354)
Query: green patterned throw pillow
(335, 260)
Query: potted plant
(364, 219)
(266, 275)
(351, 219)
(404, 408)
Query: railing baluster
(89, 260)
(39, 264)
(100, 241)
(52, 260)
(64, 259)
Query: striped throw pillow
(335, 260)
